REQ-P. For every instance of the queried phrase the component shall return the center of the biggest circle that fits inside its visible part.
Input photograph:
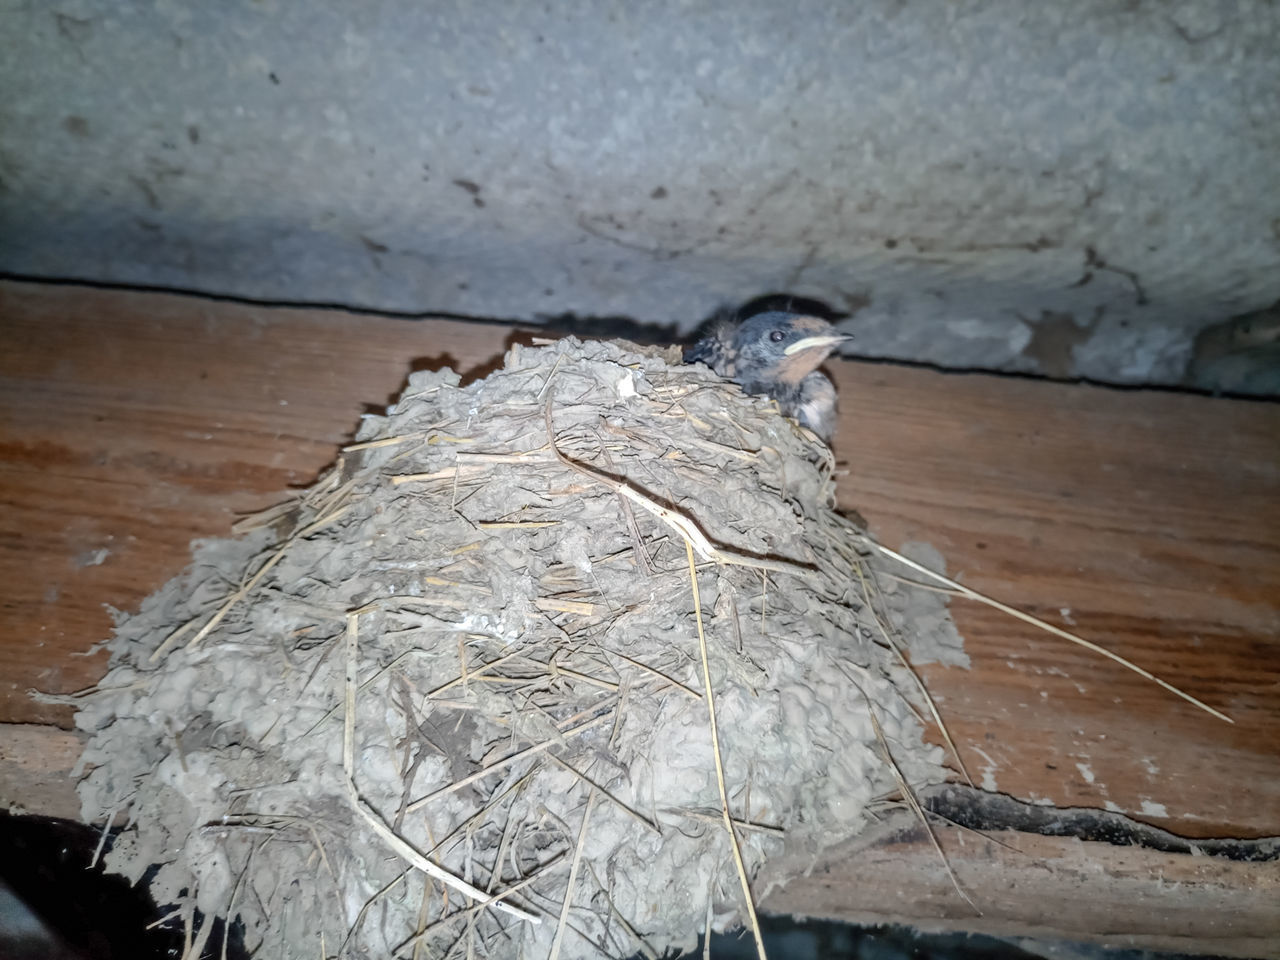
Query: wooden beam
(1027, 884)
(1043, 887)
(36, 763)
(1147, 521)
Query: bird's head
(783, 347)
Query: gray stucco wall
(1073, 187)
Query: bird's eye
(777, 336)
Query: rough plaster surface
(1072, 188)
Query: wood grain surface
(131, 423)
(1044, 888)
(1145, 521)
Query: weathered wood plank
(1148, 522)
(1054, 888)
(36, 762)
(1026, 884)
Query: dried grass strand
(244, 591)
(388, 836)
(505, 762)
(635, 815)
(573, 877)
(924, 691)
(686, 528)
(715, 750)
(491, 901)
(909, 795)
(1043, 625)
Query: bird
(777, 354)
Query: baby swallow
(778, 354)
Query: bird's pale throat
(794, 367)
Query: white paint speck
(1066, 616)
(1152, 809)
(1150, 766)
(988, 771)
(1085, 771)
(1112, 807)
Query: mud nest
(459, 682)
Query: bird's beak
(826, 341)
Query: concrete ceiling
(1073, 187)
